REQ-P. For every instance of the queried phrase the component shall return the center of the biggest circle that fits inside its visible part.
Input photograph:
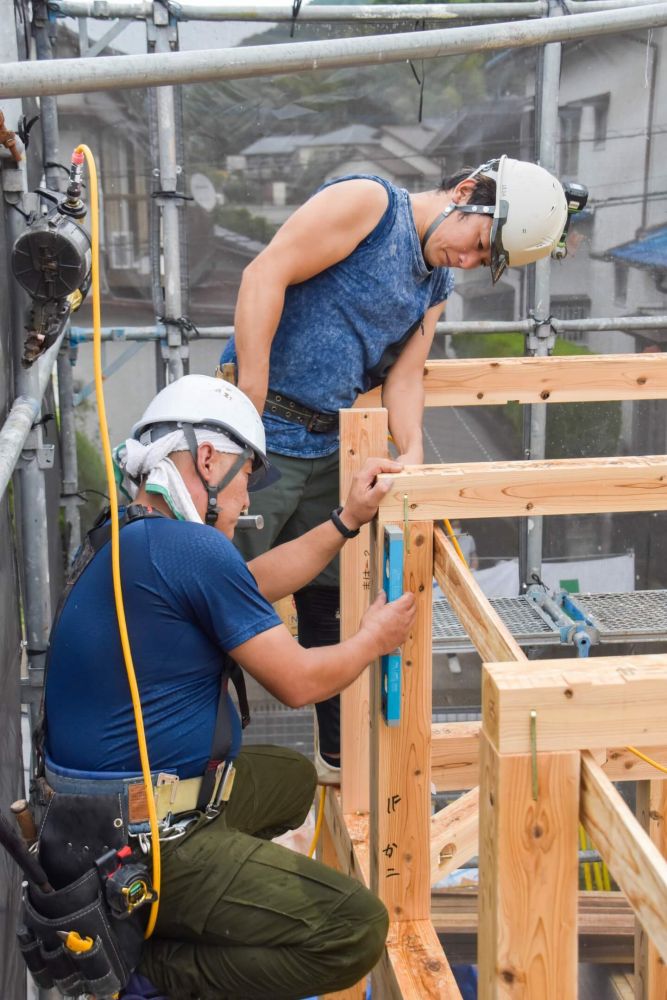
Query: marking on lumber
(528, 489)
(400, 755)
(633, 859)
(582, 379)
(582, 703)
(363, 435)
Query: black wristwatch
(345, 531)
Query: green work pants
(242, 918)
(303, 497)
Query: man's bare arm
(298, 676)
(288, 567)
(325, 230)
(403, 391)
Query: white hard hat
(206, 402)
(529, 215)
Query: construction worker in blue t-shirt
(239, 916)
(346, 297)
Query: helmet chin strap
(212, 492)
(454, 206)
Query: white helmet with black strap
(203, 403)
(529, 215)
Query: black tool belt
(297, 413)
(84, 937)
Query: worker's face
(461, 240)
(234, 498)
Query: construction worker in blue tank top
(346, 297)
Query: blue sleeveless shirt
(341, 330)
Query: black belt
(288, 409)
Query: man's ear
(463, 191)
(205, 453)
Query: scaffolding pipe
(33, 510)
(76, 76)
(187, 10)
(621, 324)
(548, 131)
(69, 493)
(20, 419)
(170, 207)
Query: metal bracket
(543, 331)
(392, 582)
(45, 455)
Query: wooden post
(650, 970)
(363, 434)
(528, 875)
(401, 755)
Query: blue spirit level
(392, 581)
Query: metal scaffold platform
(640, 616)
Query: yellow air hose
(115, 532)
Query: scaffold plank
(633, 859)
(578, 379)
(580, 703)
(363, 435)
(527, 489)
(528, 875)
(490, 637)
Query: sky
(192, 34)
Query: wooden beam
(605, 920)
(454, 835)
(489, 635)
(528, 489)
(363, 435)
(579, 379)
(414, 966)
(650, 970)
(455, 758)
(401, 754)
(633, 859)
(580, 703)
(455, 755)
(528, 876)
(349, 834)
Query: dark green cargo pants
(242, 918)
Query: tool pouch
(77, 829)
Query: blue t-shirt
(341, 330)
(188, 597)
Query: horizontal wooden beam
(488, 633)
(455, 755)
(527, 489)
(582, 378)
(580, 703)
(414, 966)
(633, 859)
(455, 758)
(454, 835)
(605, 925)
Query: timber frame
(553, 734)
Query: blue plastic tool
(392, 581)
